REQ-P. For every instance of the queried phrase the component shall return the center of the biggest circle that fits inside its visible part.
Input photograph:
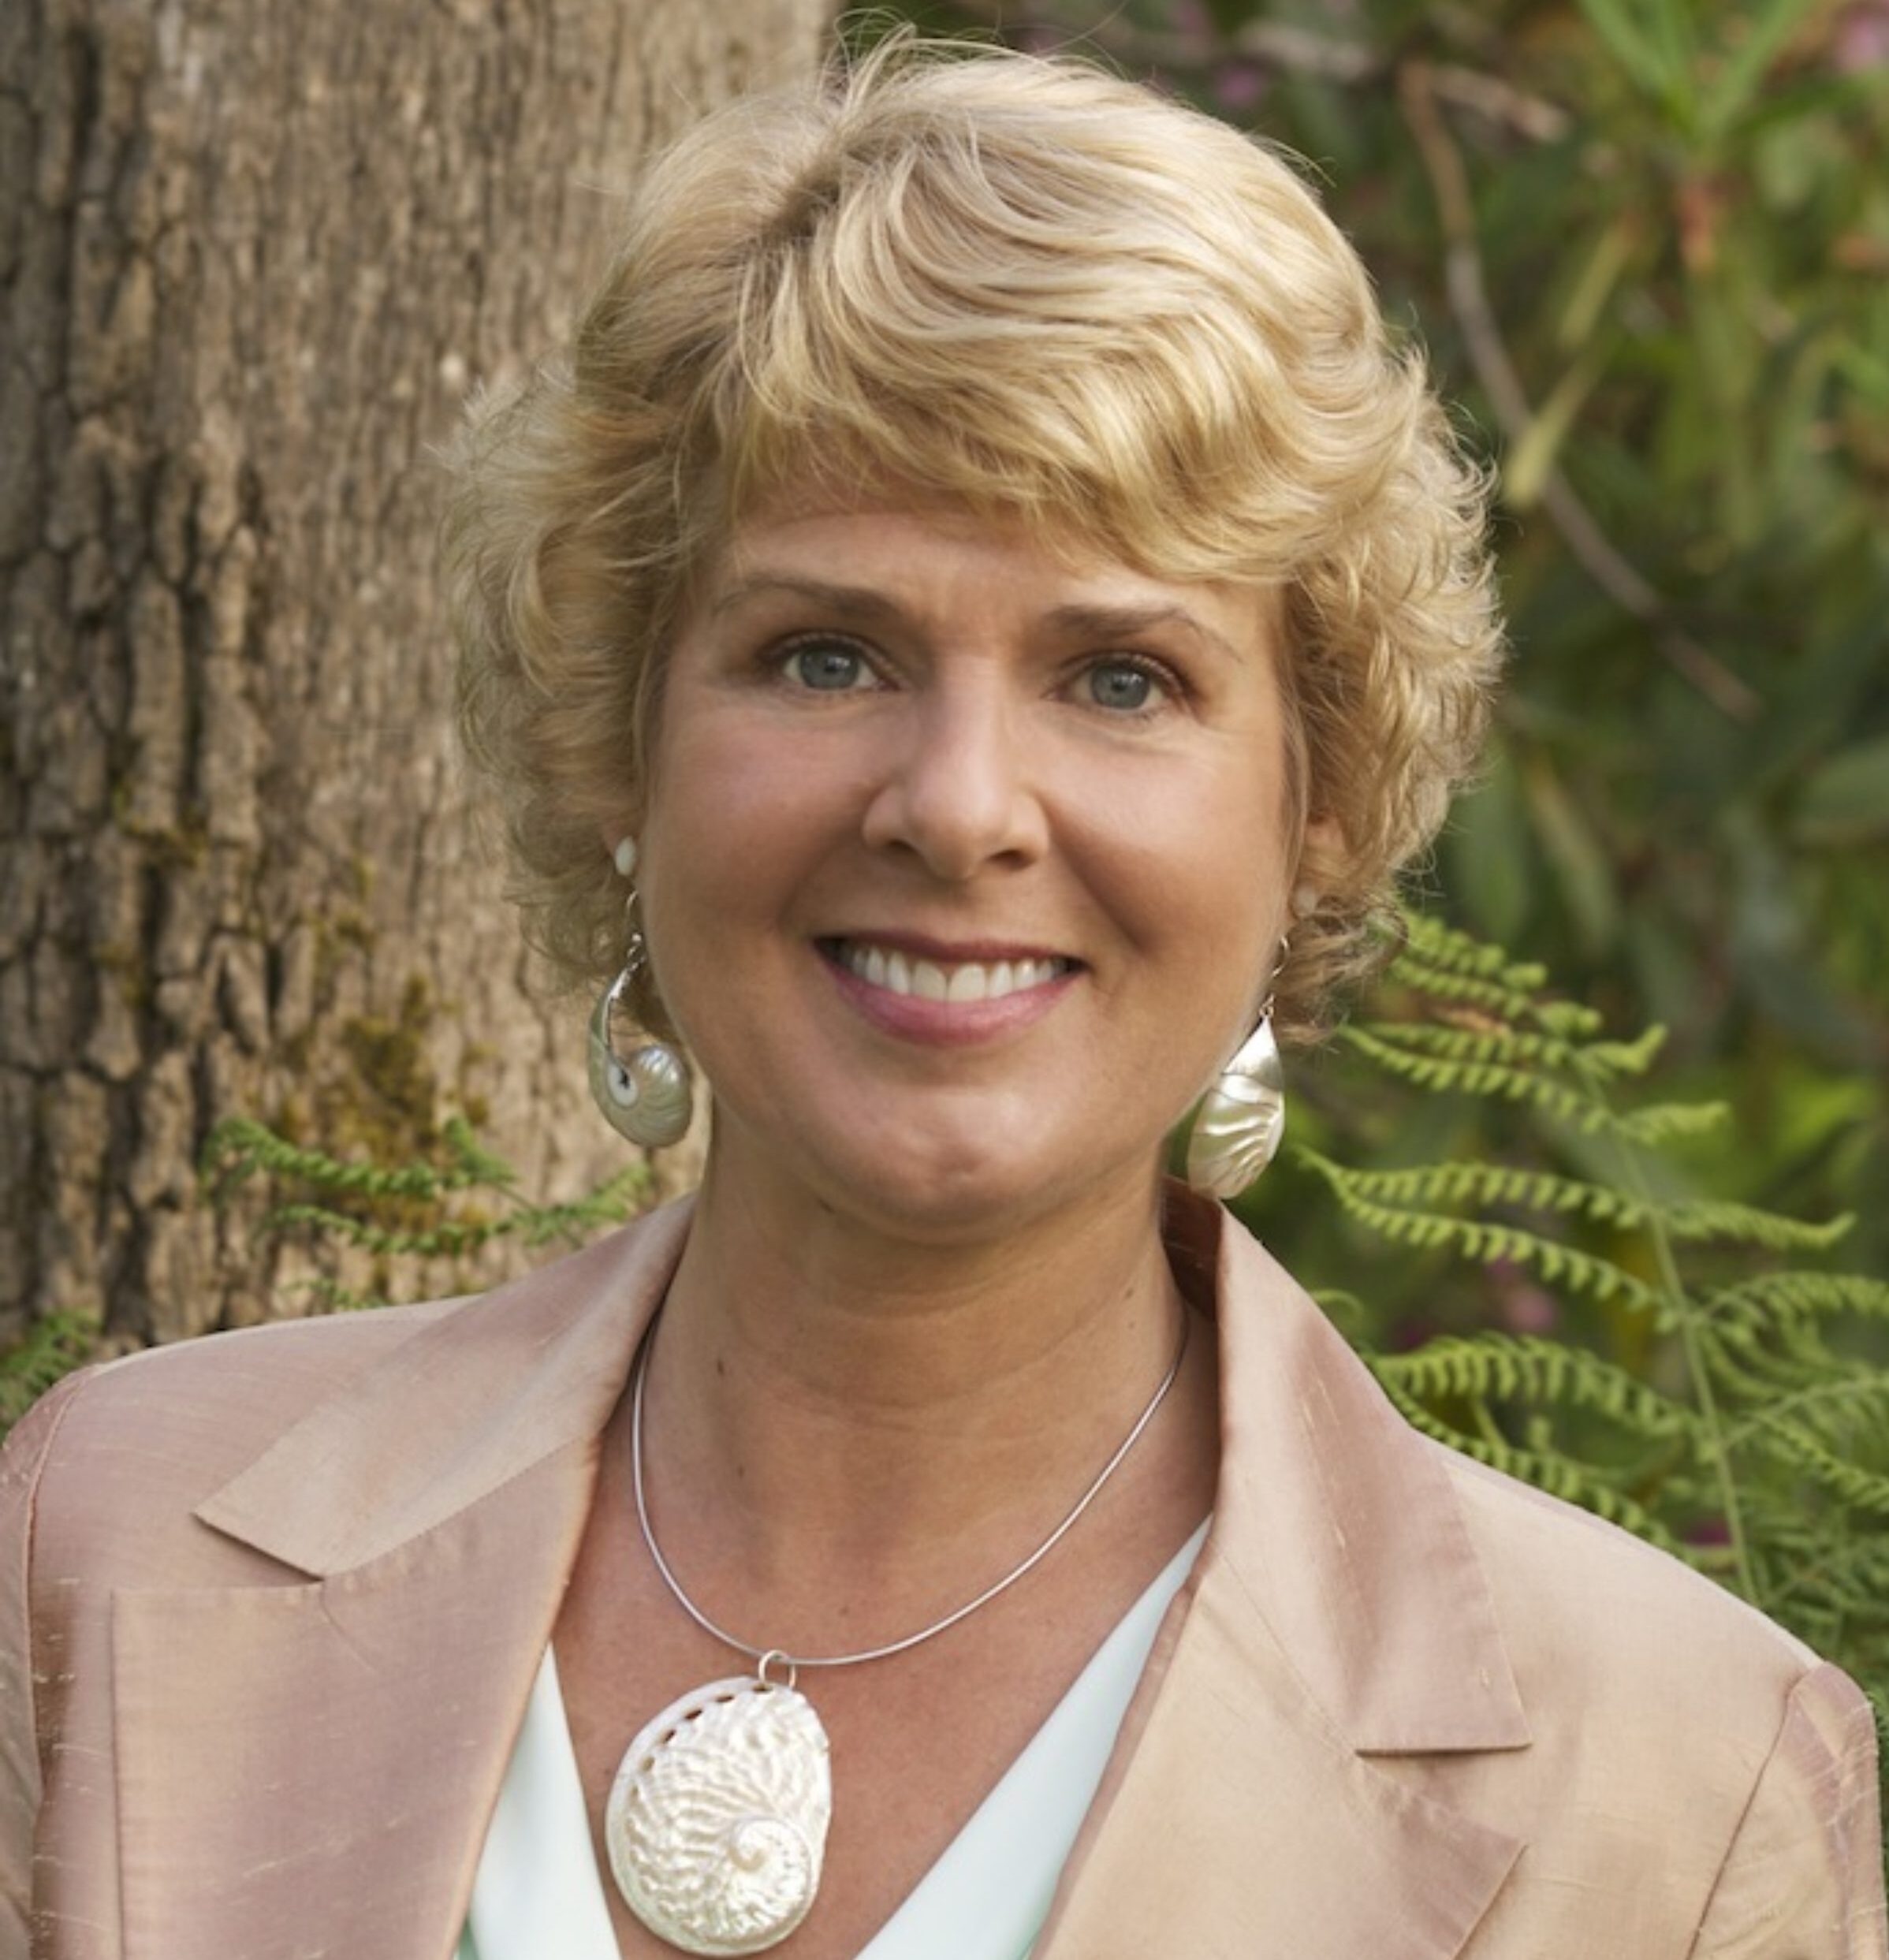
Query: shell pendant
(644, 1096)
(717, 1822)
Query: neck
(825, 1398)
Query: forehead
(903, 551)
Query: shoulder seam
(68, 1391)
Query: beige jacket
(271, 1605)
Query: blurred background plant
(1647, 244)
(1696, 1369)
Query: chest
(918, 1741)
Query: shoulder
(1567, 1584)
(1663, 1710)
(106, 1476)
(108, 1466)
(1689, 1763)
(214, 1400)
(1623, 1654)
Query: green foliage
(451, 1209)
(1741, 1419)
(52, 1348)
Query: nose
(958, 793)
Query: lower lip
(947, 1023)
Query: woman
(968, 639)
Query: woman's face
(963, 867)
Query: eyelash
(1168, 687)
(1167, 684)
(780, 658)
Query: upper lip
(949, 953)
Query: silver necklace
(717, 1821)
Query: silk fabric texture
(272, 1604)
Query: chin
(939, 1170)
(959, 1197)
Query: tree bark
(253, 253)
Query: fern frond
(1428, 941)
(610, 1204)
(1840, 1407)
(448, 1239)
(1659, 1123)
(1463, 990)
(1483, 1241)
(1467, 1182)
(1521, 1368)
(50, 1349)
(1446, 965)
(1774, 1297)
(1740, 1360)
(1611, 1060)
(333, 1296)
(1562, 1477)
(1497, 1080)
(1698, 1219)
(238, 1148)
(1464, 1181)
(479, 1165)
(1836, 1571)
(1516, 1047)
(1863, 1490)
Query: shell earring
(646, 1093)
(1237, 1128)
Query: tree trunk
(253, 253)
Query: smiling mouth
(951, 980)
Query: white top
(538, 1892)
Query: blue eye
(829, 666)
(1123, 685)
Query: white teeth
(967, 983)
(927, 980)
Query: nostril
(959, 806)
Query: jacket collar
(1335, 1522)
(305, 1768)
(1338, 1618)
(479, 1396)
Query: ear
(1322, 854)
(618, 837)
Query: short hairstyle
(1019, 285)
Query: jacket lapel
(1337, 1618)
(306, 1766)
(306, 1763)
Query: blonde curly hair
(1029, 288)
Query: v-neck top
(538, 1891)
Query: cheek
(741, 816)
(1201, 851)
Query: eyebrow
(1076, 621)
(847, 601)
(1127, 622)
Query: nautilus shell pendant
(717, 1823)
(644, 1095)
(1241, 1119)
